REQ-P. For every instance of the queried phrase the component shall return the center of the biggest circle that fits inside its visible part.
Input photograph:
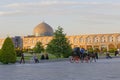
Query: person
(82, 50)
(42, 57)
(22, 58)
(116, 53)
(96, 55)
(46, 56)
(108, 55)
(35, 58)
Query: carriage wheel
(71, 59)
(77, 59)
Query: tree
(112, 50)
(18, 52)
(59, 45)
(90, 50)
(38, 48)
(96, 50)
(7, 53)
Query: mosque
(43, 32)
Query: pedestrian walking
(116, 53)
(108, 56)
(96, 55)
(22, 60)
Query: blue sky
(19, 17)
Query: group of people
(43, 57)
(35, 58)
(80, 54)
(108, 56)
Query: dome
(43, 29)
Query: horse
(92, 57)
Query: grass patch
(28, 56)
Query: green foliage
(112, 50)
(25, 50)
(38, 48)
(7, 53)
(96, 50)
(90, 50)
(18, 52)
(104, 49)
(59, 45)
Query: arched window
(103, 39)
(96, 39)
(88, 40)
(37, 40)
(33, 41)
(81, 40)
(111, 39)
(28, 41)
(118, 38)
(75, 40)
(69, 40)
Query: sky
(76, 17)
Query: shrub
(7, 53)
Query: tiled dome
(43, 29)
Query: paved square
(103, 69)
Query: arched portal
(118, 46)
(111, 46)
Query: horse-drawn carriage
(81, 55)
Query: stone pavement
(103, 69)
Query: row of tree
(103, 50)
(58, 46)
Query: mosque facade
(44, 33)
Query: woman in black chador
(42, 57)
